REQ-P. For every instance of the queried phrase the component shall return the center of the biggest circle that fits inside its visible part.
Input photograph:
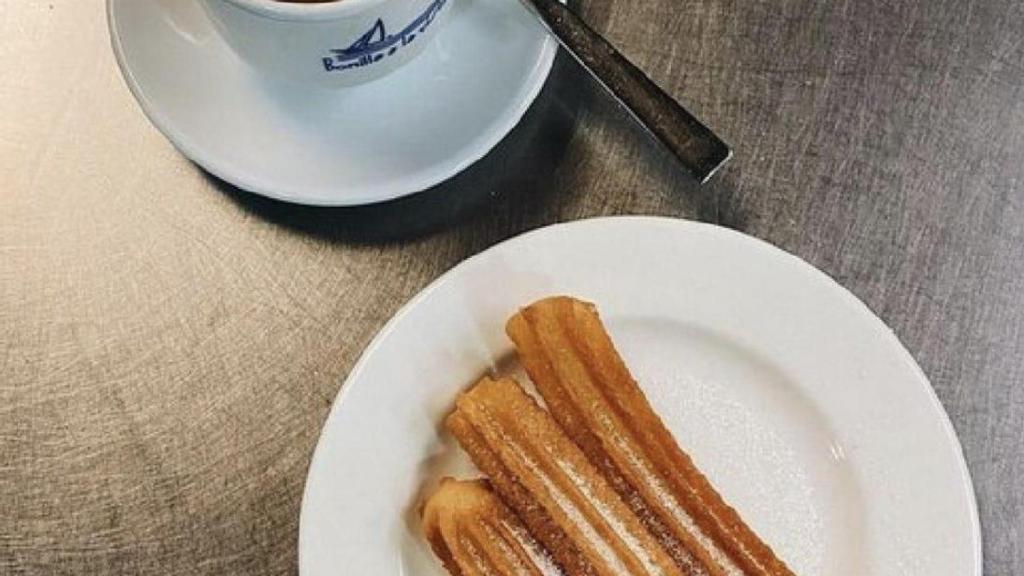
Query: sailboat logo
(372, 38)
(376, 44)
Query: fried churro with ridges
(519, 499)
(574, 365)
(518, 445)
(475, 534)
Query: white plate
(395, 136)
(798, 402)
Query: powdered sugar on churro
(635, 547)
(541, 560)
(497, 538)
(572, 512)
(667, 501)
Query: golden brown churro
(545, 478)
(571, 359)
(475, 534)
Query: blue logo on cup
(377, 44)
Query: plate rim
(194, 152)
(755, 243)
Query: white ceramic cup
(339, 43)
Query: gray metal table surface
(170, 346)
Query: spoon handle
(697, 147)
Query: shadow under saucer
(520, 165)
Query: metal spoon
(699, 150)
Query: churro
(548, 481)
(475, 534)
(573, 363)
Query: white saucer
(800, 404)
(402, 134)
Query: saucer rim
(320, 196)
